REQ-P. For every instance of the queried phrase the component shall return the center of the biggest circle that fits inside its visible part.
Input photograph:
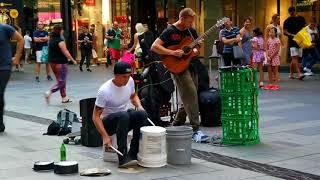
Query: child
(258, 53)
(273, 59)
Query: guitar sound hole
(186, 49)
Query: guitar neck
(204, 35)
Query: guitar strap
(191, 34)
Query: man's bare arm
(20, 44)
(96, 117)
(136, 101)
(157, 47)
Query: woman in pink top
(258, 53)
(273, 59)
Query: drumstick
(116, 150)
(151, 122)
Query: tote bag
(238, 52)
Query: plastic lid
(153, 129)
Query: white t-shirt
(313, 32)
(27, 42)
(113, 98)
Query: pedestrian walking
(310, 55)
(114, 35)
(6, 33)
(58, 59)
(292, 25)
(94, 45)
(85, 40)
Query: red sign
(90, 2)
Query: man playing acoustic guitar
(186, 81)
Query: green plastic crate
(240, 131)
(240, 117)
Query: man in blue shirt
(7, 33)
(230, 37)
(40, 38)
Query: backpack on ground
(65, 118)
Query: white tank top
(278, 30)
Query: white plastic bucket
(112, 156)
(152, 147)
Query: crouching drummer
(111, 114)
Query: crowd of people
(263, 48)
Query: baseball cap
(122, 68)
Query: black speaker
(89, 135)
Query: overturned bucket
(152, 147)
(179, 140)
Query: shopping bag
(128, 57)
(94, 54)
(303, 38)
(44, 54)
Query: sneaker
(80, 67)
(127, 162)
(37, 79)
(2, 127)
(305, 69)
(199, 137)
(49, 78)
(268, 87)
(215, 139)
(21, 70)
(47, 97)
(308, 73)
(93, 65)
(275, 87)
(89, 70)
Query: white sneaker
(199, 137)
(305, 69)
(308, 73)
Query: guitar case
(210, 108)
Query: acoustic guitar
(178, 64)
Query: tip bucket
(179, 140)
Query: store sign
(90, 2)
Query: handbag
(44, 54)
(238, 52)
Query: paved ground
(290, 132)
